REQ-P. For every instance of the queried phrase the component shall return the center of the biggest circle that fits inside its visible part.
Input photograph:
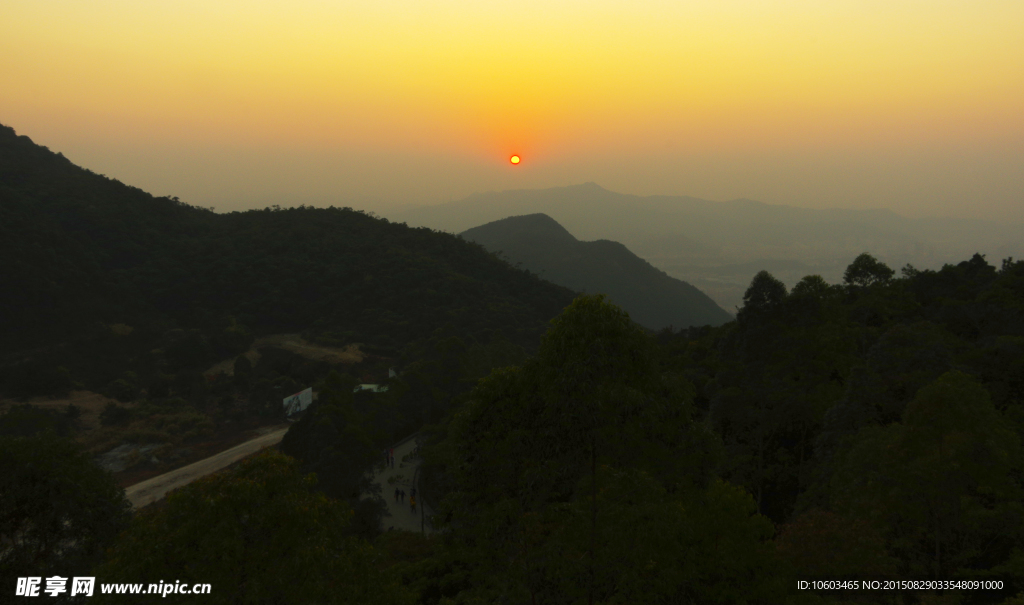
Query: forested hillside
(100, 278)
(866, 431)
(878, 423)
(651, 297)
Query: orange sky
(912, 105)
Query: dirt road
(401, 477)
(151, 490)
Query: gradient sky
(917, 106)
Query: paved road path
(402, 477)
(151, 490)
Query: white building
(373, 388)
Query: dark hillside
(73, 242)
(651, 297)
(100, 277)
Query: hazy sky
(916, 105)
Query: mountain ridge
(739, 225)
(651, 297)
(106, 278)
(703, 242)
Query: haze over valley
(720, 246)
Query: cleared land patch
(293, 343)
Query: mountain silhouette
(708, 243)
(97, 275)
(683, 230)
(651, 297)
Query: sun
(514, 159)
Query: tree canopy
(581, 476)
(258, 533)
(58, 510)
(867, 270)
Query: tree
(189, 349)
(823, 545)
(531, 440)
(232, 340)
(258, 534)
(903, 360)
(812, 285)
(764, 293)
(775, 379)
(27, 420)
(115, 415)
(242, 372)
(334, 441)
(866, 270)
(657, 547)
(58, 510)
(941, 482)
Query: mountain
(734, 231)
(705, 242)
(99, 278)
(652, 298)
(593, 212)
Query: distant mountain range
(734, 231)
(651, 297)
(719, 246)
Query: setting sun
(514, 159)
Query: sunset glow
(910, 105)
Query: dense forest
(101, 279)
(868, 430)
(864, 431)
